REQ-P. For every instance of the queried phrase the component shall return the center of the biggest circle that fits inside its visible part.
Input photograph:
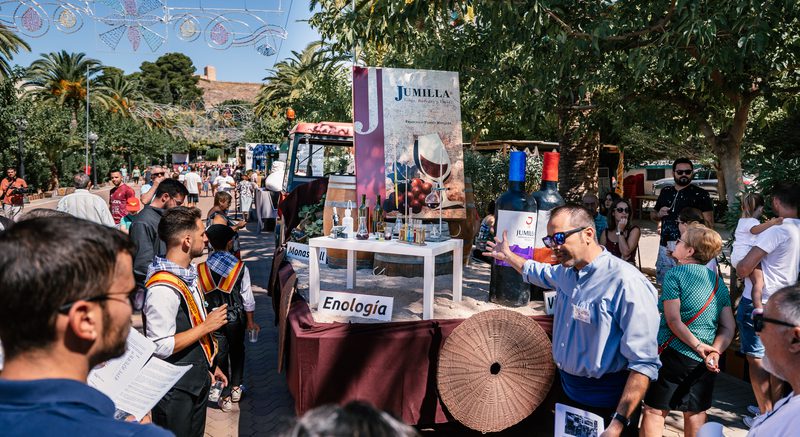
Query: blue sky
(236, 64)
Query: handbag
(664, 345)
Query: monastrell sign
(300, 252)
(356, 305)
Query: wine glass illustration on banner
(433, 162)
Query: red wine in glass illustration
(433, 162)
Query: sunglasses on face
(559, 238)
(625, 210)
(759, 320)
(64, 309)
(683, 172)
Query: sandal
(236, 393)
(225, 404)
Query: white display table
(428, 252)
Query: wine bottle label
(521, 229)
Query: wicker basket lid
(495, 369)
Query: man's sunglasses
(759, 320)
(559, 238)
(621, 210)
(683, 172)
(64, 309)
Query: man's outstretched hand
(498, 249)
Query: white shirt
(88, 206)
(192, 179)
(745, 240)
(248, 301)
(224, 183)
(161, 306)
(784, 419)
(781, 264)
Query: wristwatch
(622, 419)
(617, 233)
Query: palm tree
(295, 76)
(10, 44)
(118, 94)
(60, 78)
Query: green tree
(10, 44)
(60, 78)
(171, 80)
(709, 60)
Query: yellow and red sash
(225, 285)
(207, 342)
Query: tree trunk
(728, 153)
(580, 156)
(727, 146)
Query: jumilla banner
(356, 305)
(414, 118)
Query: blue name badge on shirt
(581, 313)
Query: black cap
(219, 236)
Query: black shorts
(683, 384)
(192, 198)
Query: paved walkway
(267, 407)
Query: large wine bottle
(515, 213)
(547, 199)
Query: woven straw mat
(495, 369)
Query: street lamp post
(92, 141)
(22, 125)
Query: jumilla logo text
(366, 310)
(420, 92)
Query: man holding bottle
(605, 319)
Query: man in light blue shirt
(605, 319)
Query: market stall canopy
(324, 128)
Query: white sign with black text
(356, 305)
(549, 302)
(300, 252)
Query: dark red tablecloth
(391, 365)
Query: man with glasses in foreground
(64, 309)
(671, 201)
(144, 229)
(779, 329)
(605, 319)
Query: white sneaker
(226, 404)
(236, 393)
(752, 409)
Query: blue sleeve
(541, 274)
(638, 318)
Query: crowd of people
(626, 348)
(195, 313)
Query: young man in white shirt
(777, 250)
(177, 322)
(193, 183)
(223, 182)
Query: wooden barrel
(342, 189)
(411, 266)
(467, 227)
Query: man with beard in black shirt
(670, 203)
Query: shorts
(663, 264)
(750, 342)
(192, 198)
(683, 384)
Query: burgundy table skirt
(390, 365)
